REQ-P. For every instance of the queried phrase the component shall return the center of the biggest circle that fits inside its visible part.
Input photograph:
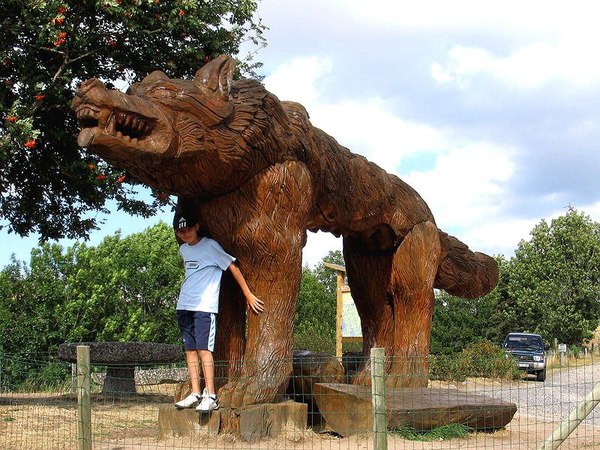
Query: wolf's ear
(216, 76)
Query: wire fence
(319, 410)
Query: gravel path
(551, 400)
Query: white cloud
(465, 189)
(296, 79)
(528, 67)
(499, 237)
(367, 127)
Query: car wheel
(541, 375)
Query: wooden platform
(252, 423)
(348, 408)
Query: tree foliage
(460, 322)
(555, 279)
(47, 183)
(551, 287)
(315, 318)
(125, 289)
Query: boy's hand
(255, 304)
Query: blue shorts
(198, 329)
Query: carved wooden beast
(260, 175)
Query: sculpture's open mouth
(111, 120)
(123, 125)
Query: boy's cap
(184, 219)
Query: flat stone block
(185, 422)
(348, 408)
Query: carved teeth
(110, 126)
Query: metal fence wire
(43, 403)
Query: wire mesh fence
(320, 409)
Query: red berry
(39, 97)
(11, 119)
(121, 179)
(100, 177)
(30, 144)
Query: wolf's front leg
(267, 238)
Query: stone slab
(124, 353)
(348, 408)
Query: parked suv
(530, 352)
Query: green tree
(47, 183)
(316, 311)
(459, 322)
(125, 289)
(327, 276)
(555, 279)
(502, 313)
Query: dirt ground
(49, 421)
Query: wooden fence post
(378, 396)
(84, 401)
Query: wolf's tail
(465, 273)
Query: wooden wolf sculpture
(260, 175)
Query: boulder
(348, 409)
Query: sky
(490, 110)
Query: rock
(124, 353)
(347, 408)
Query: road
(551, 400)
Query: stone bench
(120, 359)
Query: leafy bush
(316, 338)
(482, 359)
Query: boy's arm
(254, 303)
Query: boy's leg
(193, 366)
(209, 401)
(186, 320)
(208, 370)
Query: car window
(519, 341)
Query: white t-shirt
(204, 265)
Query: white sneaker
(189, 402)
(209, 402)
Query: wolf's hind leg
(413, 274)
(393, 293)
(368, 275)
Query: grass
(443, 433)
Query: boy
(198, 305)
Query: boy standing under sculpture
(198, 305)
